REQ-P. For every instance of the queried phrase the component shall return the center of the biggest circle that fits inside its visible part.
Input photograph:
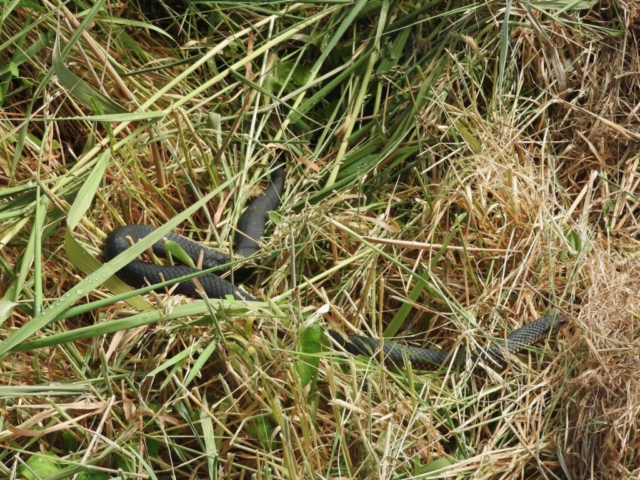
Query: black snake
(251, 226)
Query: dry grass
(458, 181)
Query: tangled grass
(454, 170)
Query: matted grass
(454, 171)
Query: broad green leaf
(310, 347)
(93, 475)
(176, 251)
(434, 469)
(40, 465)
(291, 75)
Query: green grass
(454, 170)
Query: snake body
(251, 228)
(251, 225)
(425, 359)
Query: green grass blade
(80, 88)
(200, 363)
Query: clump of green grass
(454, 171)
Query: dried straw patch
(504, 265)
(601, 395)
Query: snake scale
(251, 228)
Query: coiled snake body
(251, 226)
